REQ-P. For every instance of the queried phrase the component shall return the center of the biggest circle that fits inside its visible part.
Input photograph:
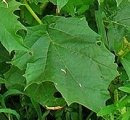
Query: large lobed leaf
(9, 26)
(66, 52)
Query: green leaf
(126, 116)
(100, 25)
(14, 78)
(10, 111)
(100, 2)
(119, 26)
(76, 6)
(4, 55)
(10, 26)
(61, 3)
(83, 9)
(68, 54)
(124, 89)
(115, 36)
(4, 67)
(8, 93)
(45, 94)
(126, 64)
(2, 80)
(118, 2)
(37, 1)
(123, 102)
(53, 1)
(107, 110)
(122, 15)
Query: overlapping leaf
(14, 78)
(9, 26)
(119, 26)
(77, 6)
(126, 63)
(67, 53)
(118, 2)
(62, 3)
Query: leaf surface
(9, 27)
(15, 79)
(119, 26)
(66, 52)
(126, 63)
(61, 3)
(4, 55)
(36, 1)
(10, 111)
(45, 94)
(118, 2)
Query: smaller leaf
(37, 1)
(123, 102)
(61, 3)
(53, 1)
(4, 55)
(107, 110)
(82, 9)
(126, 116)
(8, 93)
(10, 111)
(2, 80)
(118, 2)
(126, 64)
(100, 2)
(125, 89)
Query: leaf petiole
(32, 12)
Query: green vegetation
(65, 60)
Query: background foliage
(65, 60)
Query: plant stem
(89, 116)
(111, 117)
(9, 117)
(32, 12)
(115, 22)
(80, 112)
(45, 114)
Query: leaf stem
(80, 112)
(111, 117)
(32, 13)
(89, 116)
(115, 22)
